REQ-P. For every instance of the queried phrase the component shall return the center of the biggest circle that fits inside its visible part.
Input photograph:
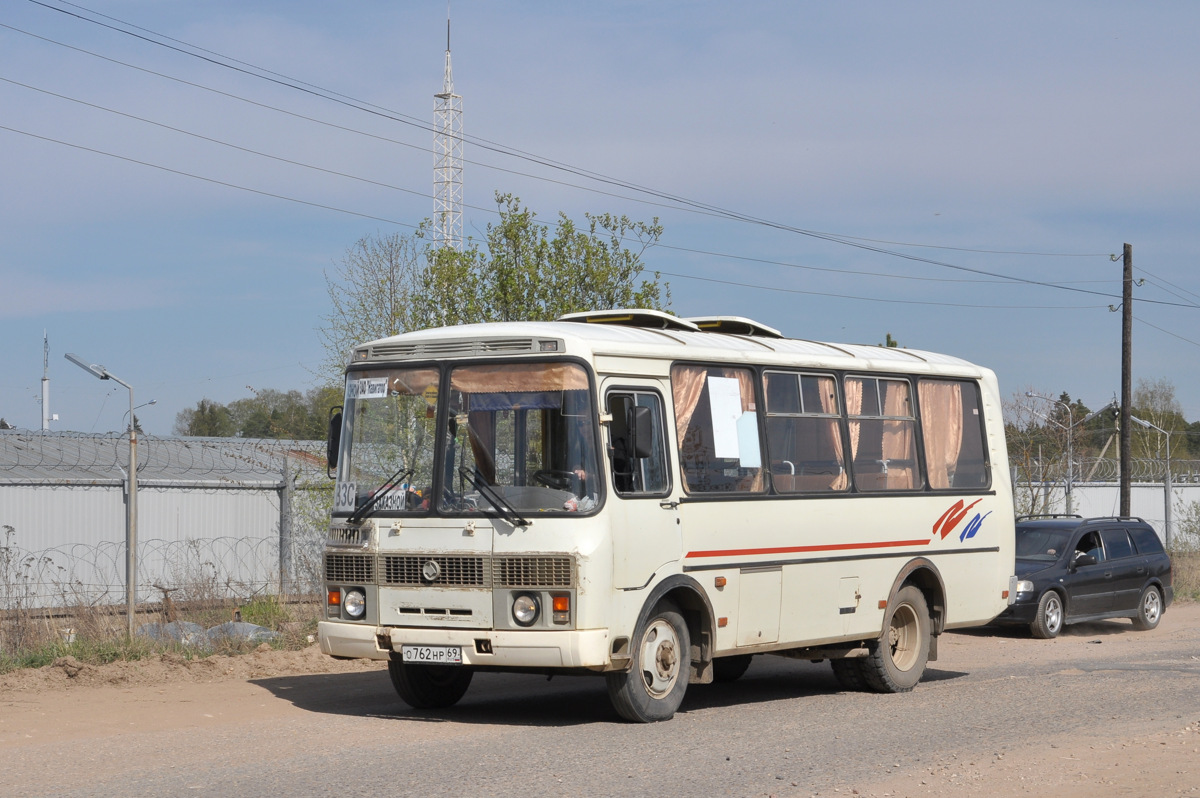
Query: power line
(873, 299)
(390, 186)
(502, 149)
(857, 242)
(208, 179)
(1167, 332)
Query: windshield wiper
(506, 510)
(360, 512)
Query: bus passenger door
(644, 522)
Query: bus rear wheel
(429, 686)
(897, 660)
(652, 689)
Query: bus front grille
(350, 568)
(531, 571)
(452, 571)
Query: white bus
(658, 500)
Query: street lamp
(1166, 478)
(131, 500)
(1070, 450)
(1071, 425)
(139, 407)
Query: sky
(989, 161)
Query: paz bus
(657, 500)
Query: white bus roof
(644, 334)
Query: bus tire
(429, 686)
(849, 673)
(897, 660)
(652, 689)
(730, 669)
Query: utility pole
(1126, 377)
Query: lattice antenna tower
(447, 160)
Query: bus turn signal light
(335, 598)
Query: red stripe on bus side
(795, 549)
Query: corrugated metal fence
(217, 517)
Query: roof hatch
(734, 325)
(653, 319)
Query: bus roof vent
(734, 325)
(654, 319)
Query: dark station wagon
(1073, 569)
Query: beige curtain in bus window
(828, 390)
(522, 377)
(415, 383)
(687, 384)
(942, 424)
(745, 378)
(854, 397)
(898, 440)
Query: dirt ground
(72, 701)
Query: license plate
(432, 655)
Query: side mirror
(1082, 560)
(333, 442)
(641, 432)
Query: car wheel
(1049, 619)
(652, 689)
(898, 657)
(1150, 610)
(429, 686)
(730, 669)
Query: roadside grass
(1185, 572)
(36, 637)
(45, 615)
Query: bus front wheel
(652, 689)
(897, 660)
(429, 686)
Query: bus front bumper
(587, 648)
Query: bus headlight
(355, 603)
(526, 609)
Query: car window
(1090, 544)
(1041, 543)
(1146, 540)
(1116, 543)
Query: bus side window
(633, 474)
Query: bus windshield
(388, 441)
(522, 435)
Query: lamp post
(1070, 450)
(1166, 478)
(128, 413)
(131, 497)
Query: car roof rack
(1048, 515)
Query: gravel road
(1101, 711)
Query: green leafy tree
(208, 419)
(526, 270)
(268, 413)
